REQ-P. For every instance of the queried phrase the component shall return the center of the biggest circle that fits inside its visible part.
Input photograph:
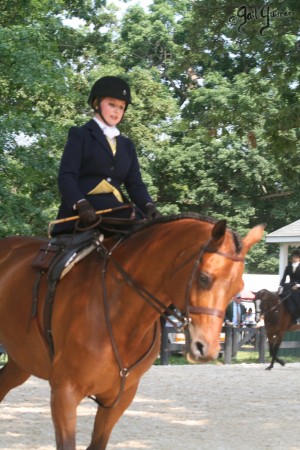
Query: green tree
(215, 116)
(42, 92)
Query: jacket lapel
(96, 131)
(297, 272)
(119, 144)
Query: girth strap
(48, 315)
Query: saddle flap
(45, 256)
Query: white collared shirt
(110, 132)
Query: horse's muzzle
(200, 348)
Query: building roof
(289, 234)
(254, 282)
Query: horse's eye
(204, 281)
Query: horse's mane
(174, 217)
(189, 215)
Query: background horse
(105, 321)
(277, 320)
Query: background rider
(290, 290)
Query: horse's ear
(218, 231)
(255, 235)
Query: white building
(254, 283)
(288, 236)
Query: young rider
(98, 161)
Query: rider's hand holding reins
(86, 212)
(152, 212)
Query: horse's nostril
(200, 348)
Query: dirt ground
(209, 407)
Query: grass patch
(174, 360)
(243, 357)
(250, 357)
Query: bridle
(155, 303)
(204, 309)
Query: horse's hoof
(269, 367)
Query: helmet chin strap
(102, 118)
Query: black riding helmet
(110, 86)
(296, 252)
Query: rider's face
(112, 110)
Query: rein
(151, 299)
(123, 371)
(156, 303)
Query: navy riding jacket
(294, 276)
(86, 161)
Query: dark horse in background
(277, 320)
(105, 319)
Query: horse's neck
(160, 260)
(166, 242)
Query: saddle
(61, 253)
(56, 258)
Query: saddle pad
(75, 258)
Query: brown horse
(101, 347)
(277, 319)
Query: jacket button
(112, 168)
(108, 179)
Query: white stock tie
(111, 132)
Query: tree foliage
(215, 115)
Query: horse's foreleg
(106, 419)
(64, 402)
(274, 347)
(11, 376)
(280, 361)
(270, 367)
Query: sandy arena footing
(207, 407)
